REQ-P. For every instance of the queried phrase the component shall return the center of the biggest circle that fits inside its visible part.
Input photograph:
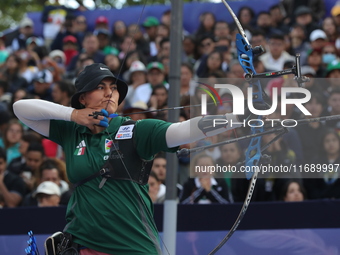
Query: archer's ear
(82, 99)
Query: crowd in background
(32, 168)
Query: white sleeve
(37, 114)
(188, 131)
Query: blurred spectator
(11, 74)
(53, 17)
(150, 25)
(81, 27)
(91, 48)
(159, 100)
(204, 188)
(156, 189)
(29, 59)
(278, 14)
(318, 39)
(163, 31)
(315, 7)
(207, 46)
(5, 97)
(68, 28)
(134, 31)
(101, 23)
(166, 18)
(281, 155)
(119, 31)
(314, 60)
(135, 77)
(275, 58)
(138, 111)
(47, 194)
(259, 38)
(231, 154)
(293, 191)
(311, 147)
(10, 140)
(103, 36)
(333, 109)
(34, 157)
(70, 48)
(298, 43)
(330, 28)
(213, 64)
(329, 54)
(159, 167)
(190, 50)
(3, 51)
(163, 51)
(26, 29)
(221, 29)
(131, 57)
(12, 187)
(188, 85)
(62, 92)
(335, 12)
(128, 45)
(56, 60)
(155, 76)
(113, 62)
(18, 164)
(265, 23)
(327, 185)
(303, 17)
(42, 85)
(333, 73)
(246, 16)
(51, 170)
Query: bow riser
(245, 57)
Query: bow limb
(253, 153)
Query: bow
(253, 154)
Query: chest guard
(124, 163)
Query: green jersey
(114, 219)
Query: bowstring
(110, 136)
(132, 38)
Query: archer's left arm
(198, 128)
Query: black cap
(89, 79)
(301, 10)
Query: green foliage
(12, 11)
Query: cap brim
(121, 87)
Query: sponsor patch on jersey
(108, 144)
(124, 132)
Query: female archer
(108, 160)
